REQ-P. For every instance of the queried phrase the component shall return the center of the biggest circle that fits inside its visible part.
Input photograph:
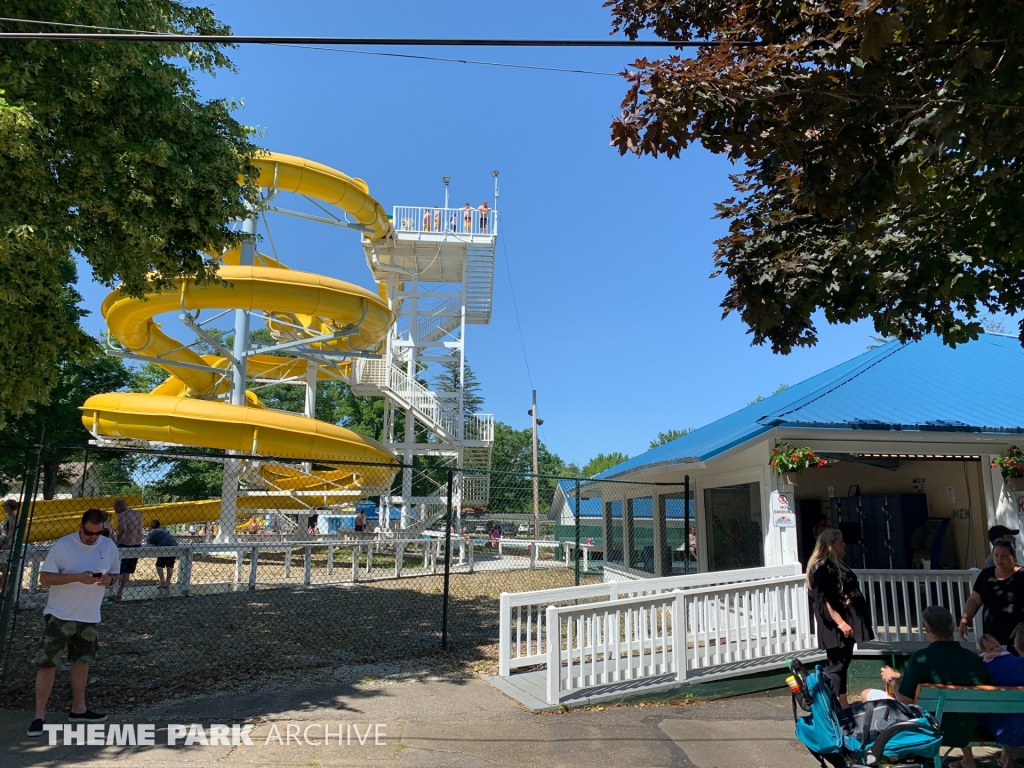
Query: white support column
(410, 418)
(311, 373)
(233, 467)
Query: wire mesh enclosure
(235, 566)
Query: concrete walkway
(442, 724)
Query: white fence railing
(674, 633)
(610, 642)
(455, 221)
(410, 557)
(522, 636)
(897, 599)
(753, 620)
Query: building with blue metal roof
(908, 433)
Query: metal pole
(536, 487)
(577, 554)
(447, 563)
(232, 467)
(686, 518)
(85, 472)
(17, 561)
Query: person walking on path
(999, 592)
(999, 533)
(76, 569)
(161, 537)
(9, 525)
(129, 536)
(839, 607)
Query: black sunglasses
(1003, 543)
(87, 532)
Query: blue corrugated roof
(924, 385)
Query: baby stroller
(868, 735)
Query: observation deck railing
(454, 221)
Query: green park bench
(976, 700)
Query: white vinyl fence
(675, 633)
(412, 557)
(522, 637)
(897, 599)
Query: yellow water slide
(190, 408)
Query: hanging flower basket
(788, 461)
(1011, 465)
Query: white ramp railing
(675, 633)
(627, 639)
(522, 636)
(741, 622)
(898, 598)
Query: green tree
(78, 377)
(512, 460)
(881, 147)
(145, 377)
(184, 479)
(603, 461)
(107, 151)
(668, 437)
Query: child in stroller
(874, 733)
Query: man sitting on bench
(944, 662)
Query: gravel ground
(173, 648)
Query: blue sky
(609, 256)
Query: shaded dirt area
(171, 648)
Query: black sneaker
(36, 729)
(87, 717)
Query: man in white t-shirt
(77, 568)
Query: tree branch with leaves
(881, 145)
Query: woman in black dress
(839, 607)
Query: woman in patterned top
(839, 607)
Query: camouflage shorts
(80, 639)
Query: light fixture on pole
(496, 192)
(447, 181)
(536, 488)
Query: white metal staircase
(438, 268)
(479, 284)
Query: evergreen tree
(449, 381)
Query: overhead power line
(147, 37)
(419, 57)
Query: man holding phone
(77, 569)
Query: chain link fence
(236, 566)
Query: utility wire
(347, 50)
(161, 37)
(453, 61)
(515, 307)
